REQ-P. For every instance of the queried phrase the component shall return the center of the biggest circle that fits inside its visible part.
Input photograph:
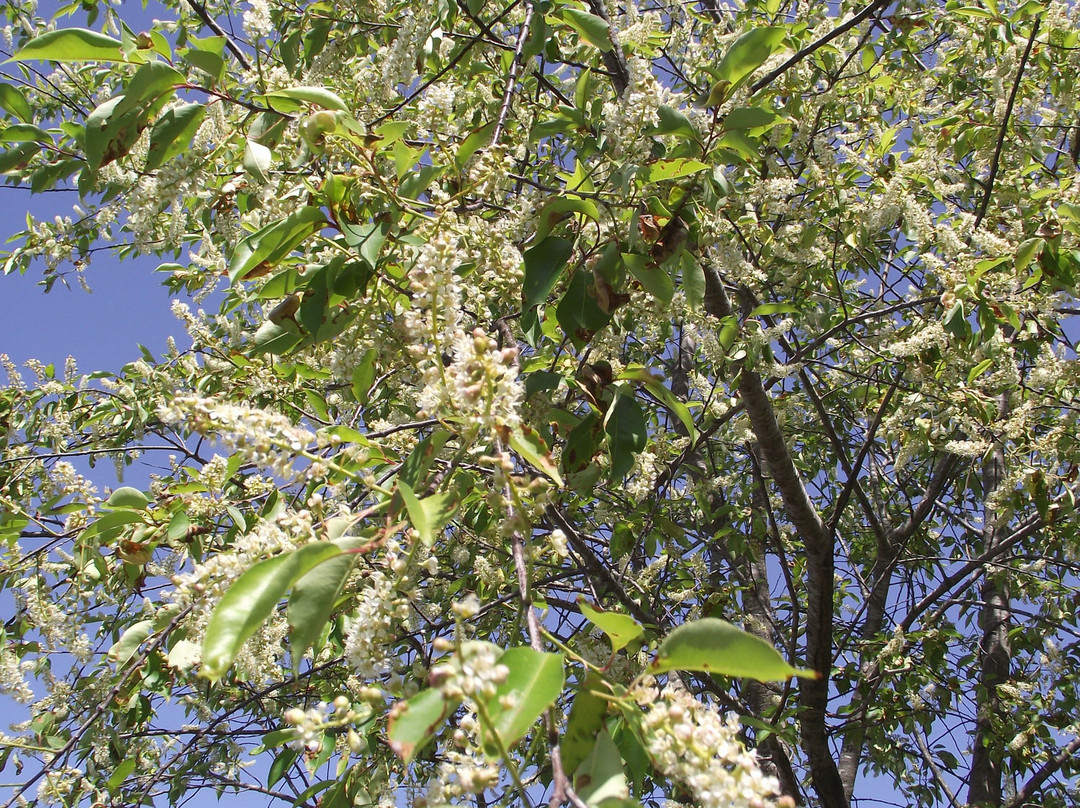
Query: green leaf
(748, 53)
(560, 209)
(585, 721)
(207, 57)
(544, 262)
(413, 723)
(251, 599)
(257, 160)
(672, 122)
(266, 248)
(671, 169)
(627, 433)
(71, 45)
(715, 646)
(110, 526)
(751, 118)
(534, 683)
(24, 133)
(1027, 251)
(473, 142)
(652, 278)
(601, 776)
(768, 309)
(315, 594)
(147, 86)
(292, 99)
(979, 369)
(282, 763)
(120, 773)
(14, 102)
(276, 338)
(528, 443)
(17, 158)
(430, 514)
(693, 280)
(172, 133)
(578, 313)
(621, 629)
(127, 497)
(655, 386)
(590, 28)
(369, 238)
(129, 642)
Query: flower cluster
(480, 383)
(473, 672)
(309, 725)
(268, 440)
(380, 612)
(691, 743)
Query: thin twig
(212, 24)
(801, 54)
(511, 78)
(995, 162)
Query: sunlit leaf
(715, 646)
(412, 723)
(533, 684)
(251, 599)
(621, 629)
(71, 45)
(600, 778)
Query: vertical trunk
(762, 697)
(984, 785)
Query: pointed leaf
(528, 443)
(430, 514)
(586, 719)
(14, 102)
(715, 646)
(127, 497)
(672, 169)
(287, 100)
(412, 723)
(172, 133)
(266, 248)
(544, 262)
(627, 434)
(534, 683)
(71, 45)
(590, 28)
(129, 642)
(257, 160)
(621, 629)
(652, 278)
(749, 52)
(314, 596)
(601, 776)
(252, 599)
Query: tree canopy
(599, 403)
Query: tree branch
(995, 161)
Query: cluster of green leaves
(791, 321)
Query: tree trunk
(984, 785)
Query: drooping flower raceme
(269, 440)
(691, 743)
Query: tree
(607, 403)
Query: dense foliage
(584, 377)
